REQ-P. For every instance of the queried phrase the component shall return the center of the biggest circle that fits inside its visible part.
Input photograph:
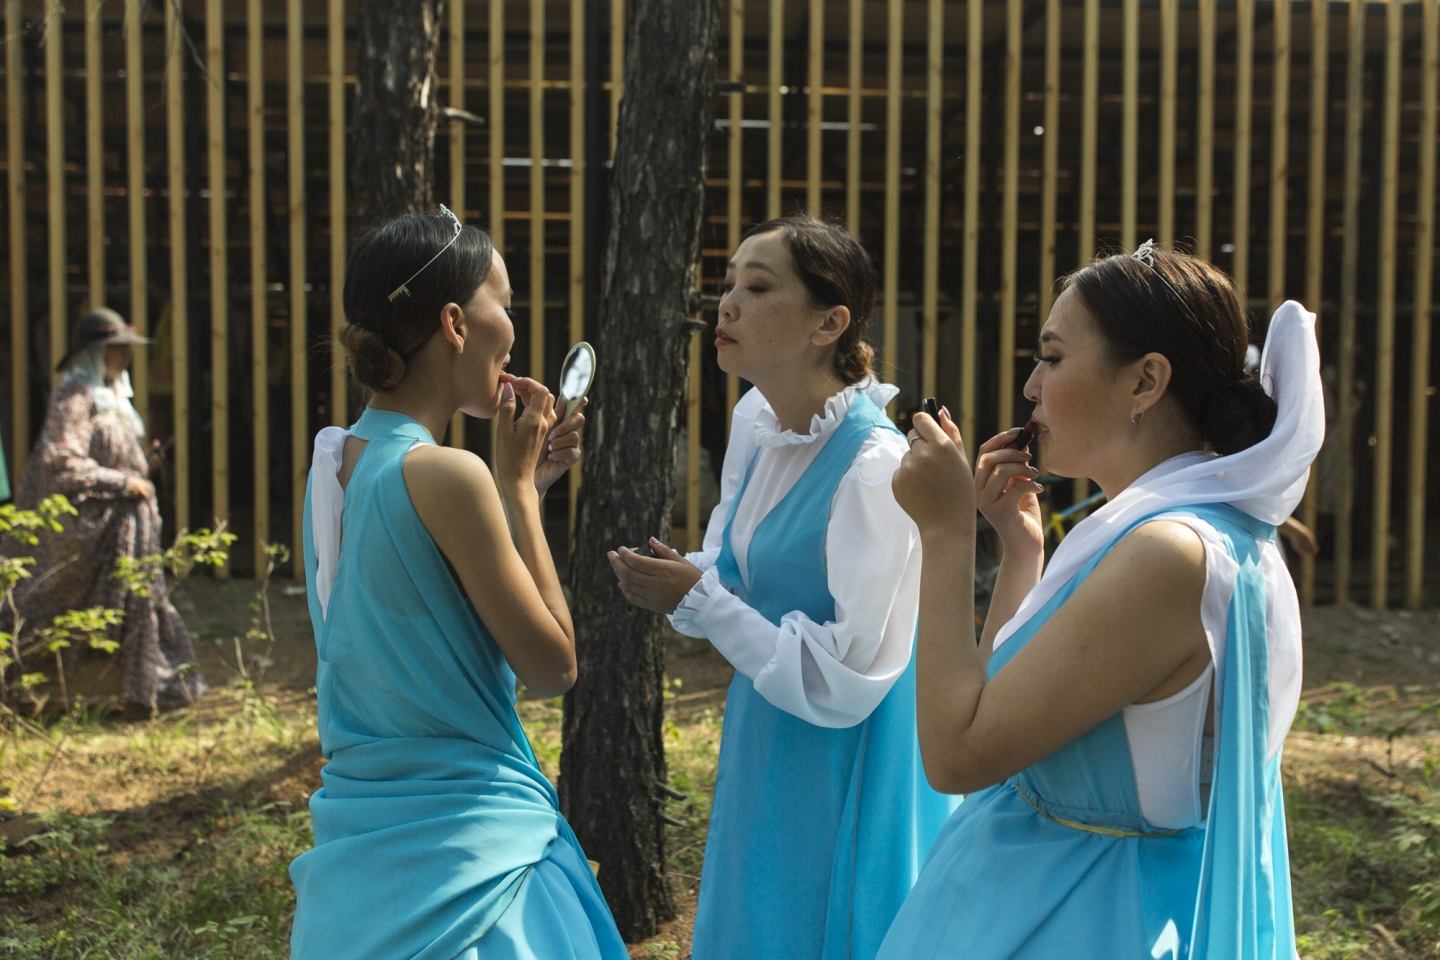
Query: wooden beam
(815, 106)
(1130, 125)
(1089, 144)
(537, 190)
(1315, 234)
(577, 208)
(1244, 102)
(934, 94)
(1424, 279)
(19, 266)
(497, 122)
(219, 270)
(970, 282)
(339, 232)
(457, 154)
(179, 266)
(1050, 165)
(259, 278)
(734, 183)
(94, 156)
(1169, 45)
(55, 182)
(617, 65)
(890, 284)
(135, 190)
(774, 136)
(855, 69)
(299, 339)
(1205, 133)
(1010, 210)
(1349, 279)
(1279, 153)
(1385, 309)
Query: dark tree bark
(392, 138)
(612, 770)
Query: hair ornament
(404, 288)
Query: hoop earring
(1137, 418)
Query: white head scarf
(1265, 481)
(88, 367)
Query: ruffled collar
(767, 426)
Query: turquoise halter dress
(436, 835)
(1058, 862)
(816, 834)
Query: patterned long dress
(87, 453)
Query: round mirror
(576, 375)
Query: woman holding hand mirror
(808, 585)
(435, 832)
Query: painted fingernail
(508, 393)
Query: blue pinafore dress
(436, 835)
(816, 834)
(1057, 861)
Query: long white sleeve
(835, 673)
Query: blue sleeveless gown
(436, 835)
(1057, 861)
(816, 834)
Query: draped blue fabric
(1006, 879)
(816, 834)
(436, 834)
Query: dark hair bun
(1241, 414)
(373, 363)
(856, 362)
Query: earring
(1136, 418)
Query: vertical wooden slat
(339, 234)
(774, 137)
(815, 106)
(94, 157)
(1349, 264)
(1089, 128)
(259, 307)
(577, 205)
(19, 267)
(1315, 232)
(299, 376)
(970, 283)
(734, 182)
(1385, 310)
(496, 123)
(457, 154)
(55, 181)
(135, 190)
(1424, 278)
(617, 64)
(179, 280)
(537, 189)
(1130, 125)
(1010, 211)
(1205, 133)
(934, 91)
(219, 269)
(1279, 153)
(856, 76)
(1050, 165)
(895, 39)
(1244, 104)
(1169, 44)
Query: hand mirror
(576, 376)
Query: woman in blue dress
(808, 585)
(1119, 729)
(436, 835)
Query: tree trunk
(613, 765)
(392, 135)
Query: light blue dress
(436, 835)
(816, 834)
(1057, 861)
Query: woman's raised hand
(933, 482)
(1007, 493)
(520, 441)
(562, 446)
(656, 583)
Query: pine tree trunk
(613, 765)
(392, 137)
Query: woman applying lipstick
(1118, 731)
(808, 585)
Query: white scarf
(88, 367)
(1265, 481)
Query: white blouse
(831, 674)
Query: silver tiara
(404, 288)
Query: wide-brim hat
(100, 327)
